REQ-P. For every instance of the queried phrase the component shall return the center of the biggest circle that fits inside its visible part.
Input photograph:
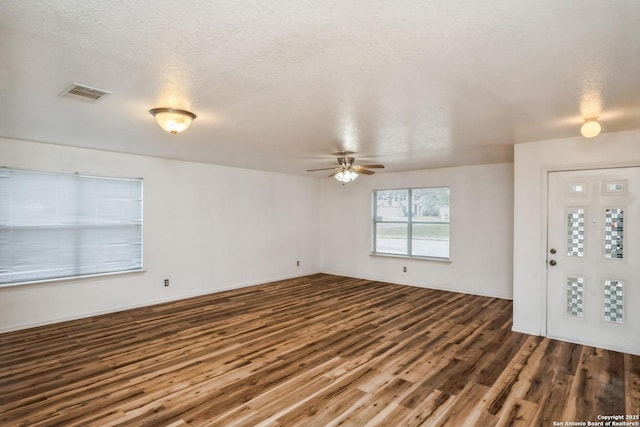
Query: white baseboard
(231, 287)
(526, 331)
(621, 348)
(630, 349)
(147, 303)
(428, 286)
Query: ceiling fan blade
(323, 169)
(372, 166)
(343, 153)
(364, 171)
(333, 174)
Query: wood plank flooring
(319, 350)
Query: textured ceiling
(279, 85)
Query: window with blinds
(59, 225)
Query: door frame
(544, 203)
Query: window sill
(421, 258)
(65, 279)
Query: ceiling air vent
(84, 93)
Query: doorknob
(552, 262)
(552, 251)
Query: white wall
(481, 230)
(532, 163)
(206, 228)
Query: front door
(593, 258)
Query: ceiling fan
(345, 170)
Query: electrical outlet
(404, 269)
(297, 263)
(166, 282)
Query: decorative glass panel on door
(613, 233)
(575, 296)
(575, 232)
(578, 189)
(614, 187)
(613, 301)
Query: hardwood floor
(320, 350)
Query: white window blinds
(55, 225)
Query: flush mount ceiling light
(172, 120)
(590, 128)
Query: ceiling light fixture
(591, 127)
(172, 120)
(346, 176)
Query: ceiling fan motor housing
(346, 162)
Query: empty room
(329, 213)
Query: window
(56, 225)
(411, 222)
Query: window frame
(76, 227)
(408, 223)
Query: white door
(593, 258)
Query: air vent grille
(84, 93)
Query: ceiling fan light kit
(172, 120)
(345, 171)
(346, 176)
